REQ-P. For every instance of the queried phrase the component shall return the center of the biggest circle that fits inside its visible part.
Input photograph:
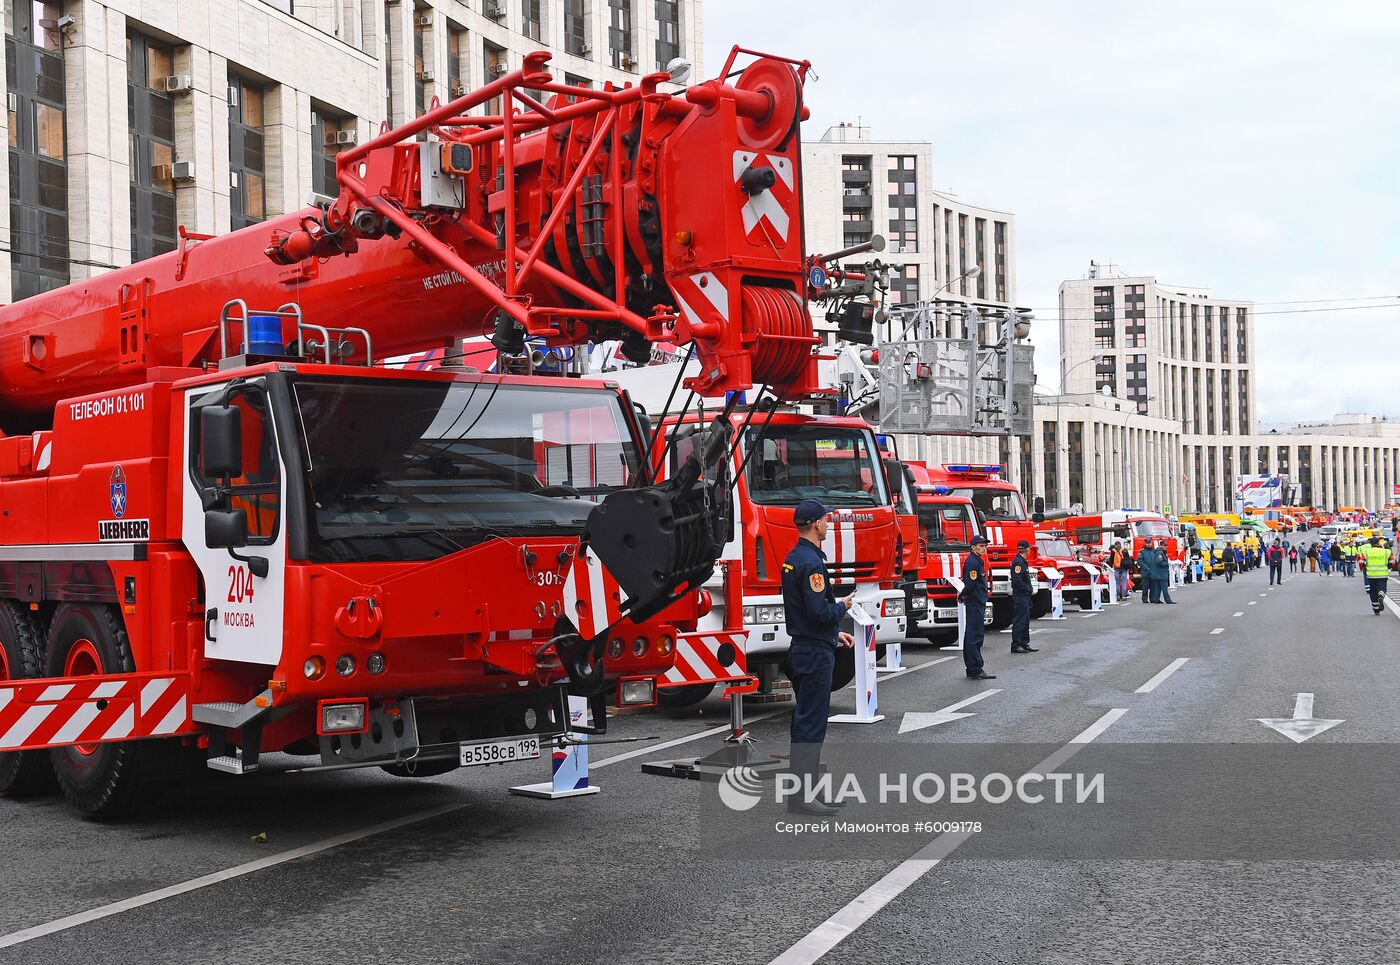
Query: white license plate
(987, 620)
(948, 613)
(500, 752)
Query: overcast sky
(1251, 148)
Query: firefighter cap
(979, 538)
(1023, 545)
(808, 512)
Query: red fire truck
(1097, 533)
(1075, 562)
(947, 524)
(1002, 514)
(227, 531)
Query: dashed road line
(1217, 630)
(1161, 675)
(1252, 602)
(1240, 614)
(864, 906)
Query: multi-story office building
(855, 187)
(1159, 409)
(235, 109)
(1178, 353)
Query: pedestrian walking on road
(1324, 558)
(1022, 589)
(813, 617)
(1293, 559)
(1121, 564)
(1335, 554)
(1231, 562)
(1312, 558)
(973, 598)
(1376, 561)
(1275, 556)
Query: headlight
(918, 601)
(343, 718)
(639, 647)
(314, 668)
(636, 692)
(893, 608)
(345, 664)
(749, 617)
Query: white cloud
(1249, 147)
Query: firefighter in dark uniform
(974, 600)
(1022, 589)
(813, 616)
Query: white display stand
(568, 762)
(867, 699)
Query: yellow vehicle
(1211, 548)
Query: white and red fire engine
(226, 530)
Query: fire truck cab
(947, 525)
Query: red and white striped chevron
(698, 659)
(592, 598)
(81, 710)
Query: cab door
(244, 586)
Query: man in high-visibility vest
(1377, 563)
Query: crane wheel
(98, 779)
(22, 773)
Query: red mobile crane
(226, 528)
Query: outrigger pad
(653, 541)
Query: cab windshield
(1055, 548)
(1000, 504)
(946, 527)
(1158, 528)
(415, 470)
(832, 464)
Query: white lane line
(282, 857)
(1240, 614)
(1252, 602)
(1085, 616)
(1391, 604)
(1217, 630)
(1161, 675)
(839, 926)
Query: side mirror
(643, 423)
(1038, 506)
(225, 529)
(221, 441)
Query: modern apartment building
(235, 109)
(856, 187)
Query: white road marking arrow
(1303, 724)
(918, 721)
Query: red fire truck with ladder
(225, 530)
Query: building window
(329, 136)
(904, 227)
(962, 253)
(151, 115)
(496, 64)
(1000, 242)
(980, 236)
(1227, 420)
(1244, 403)
(576, 28)
(39, 254)
(1305, 474)
(1076, 461)
(247, 158)
(904, 285)
(1242, 327)
(1224, 335)
(456, 61)
(1228, 467)
(1210, 333)
(1195, 334)
(620, 33)
(1051, 456)
(668, 32)
(1210, 402)
(531, 19)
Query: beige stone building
(130, 118)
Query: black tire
(22, 773)
(435, 768)
(677, 697)
(99, 781)
(1040, 604)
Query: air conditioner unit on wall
(425, 76)
(178, 84)
(493, 10)
(585, 49)
(182, 170)
(628, 62)
(458, 89)
(498, 68)
(346, 137)
(426, 20)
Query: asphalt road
(455, 869)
